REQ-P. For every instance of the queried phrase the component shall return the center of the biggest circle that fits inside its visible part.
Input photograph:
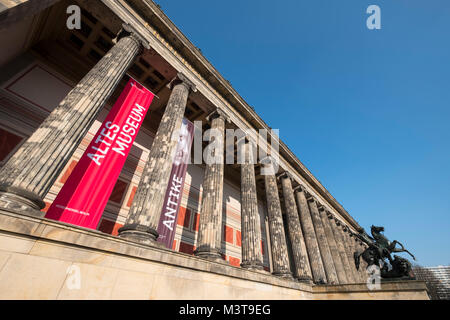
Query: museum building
(240, 234)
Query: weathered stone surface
(111, 267)
(28, 175)
(250, 220)
(360, 247)
(280, 259)
(145, 212)
(210, 226)
(315, 260)
(323, 244)
(106, 253)
(352, 245)
(363, 264)
(338, 264)
(342, 251)
(350, 250)
(302, 269)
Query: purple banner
(174, 193)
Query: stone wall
(37, 259)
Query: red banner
(168, 221)
(83, 197)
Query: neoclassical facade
(281, 234)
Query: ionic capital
(128, 30)
(310, 197)
(285, 175)
(181, 78)
(219, 113)
(299, 188)
(267, 160)
(270, 165)
(243, 140)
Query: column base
(208, 253)
(21, 201)
(253, 265)
(139, 233)
(320, 282)
(303, 279)
(284, 275)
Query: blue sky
(367, 111)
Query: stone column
(315, 260)
(325, 252)
(29, 174)
(280, 258)
(338, 264)
(302, 269)
(362, 271)
(209, 239)
(360, 247)
(145, 212)
(350, 251)
(344, 265)
(342, 251)
(250, 220)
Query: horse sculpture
(379, 249)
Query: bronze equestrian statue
(379, 249)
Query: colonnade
(322, 245)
